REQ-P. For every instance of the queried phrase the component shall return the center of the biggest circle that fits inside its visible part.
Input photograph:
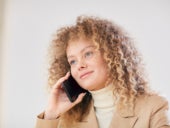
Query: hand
(58, 100)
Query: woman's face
(87, 65)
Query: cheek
(73, 73)
(100, 63)
(103, 67)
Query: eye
(88, 54)
(72, 62)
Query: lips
(84, 75)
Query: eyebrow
(81, 51)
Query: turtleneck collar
(103, 98)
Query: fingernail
(84, 93)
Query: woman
(102, 58)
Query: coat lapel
(123, 122)
(90, 121)
(121, 119)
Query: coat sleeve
(159, 116)
(42, 123)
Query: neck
(104, 105)
(103, 97)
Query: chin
(87, 86)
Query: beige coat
(149, 112)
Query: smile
(85, 75)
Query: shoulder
(153, 110)
(151, 102)
(151, 99)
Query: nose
(82, 64)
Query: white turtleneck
(104, 105)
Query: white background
(27, 27)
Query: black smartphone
(72, 88)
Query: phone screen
(72, 88)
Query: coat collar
(126, 112)
(121, 119)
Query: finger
(80, 98)
(61, 80)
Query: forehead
(78, 45)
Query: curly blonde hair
(123, 60)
